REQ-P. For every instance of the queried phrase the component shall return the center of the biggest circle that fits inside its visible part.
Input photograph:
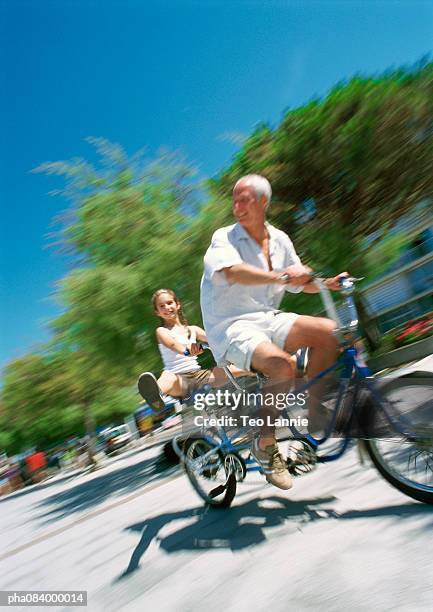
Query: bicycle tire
(218, 493)
(422, 448)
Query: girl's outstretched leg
(153, 390)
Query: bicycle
(396, 441)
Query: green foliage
(36, 402)
(384, 253)
(113, 405)
(133, 232)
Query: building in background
(405, 290)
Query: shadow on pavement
(234, 529)
(243, 526)
(87, 495)
(401, 510)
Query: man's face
(248, 211)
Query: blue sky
(149, 73)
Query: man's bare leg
(279, 367)
(317, 334)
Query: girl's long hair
(180, 314)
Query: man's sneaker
(149, 390)
(272, 464)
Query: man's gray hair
(260, 184)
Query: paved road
(135, 536)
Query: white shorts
(245, 336)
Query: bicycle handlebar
(344, 281)
(347, 285)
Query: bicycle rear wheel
(406, 460)
(211, 476)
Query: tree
(37, 405)
(129, 229)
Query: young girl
(182, 373)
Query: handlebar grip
(349, 281)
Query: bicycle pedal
(302, 458)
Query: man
(245, 275)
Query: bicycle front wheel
(210, 474)
(406, 460)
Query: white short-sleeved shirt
(223, 303)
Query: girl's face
(166, 307)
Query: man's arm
(332, 283)
(246, 274)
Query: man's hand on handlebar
(299, 275)
(334, 283)
(296, 275)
